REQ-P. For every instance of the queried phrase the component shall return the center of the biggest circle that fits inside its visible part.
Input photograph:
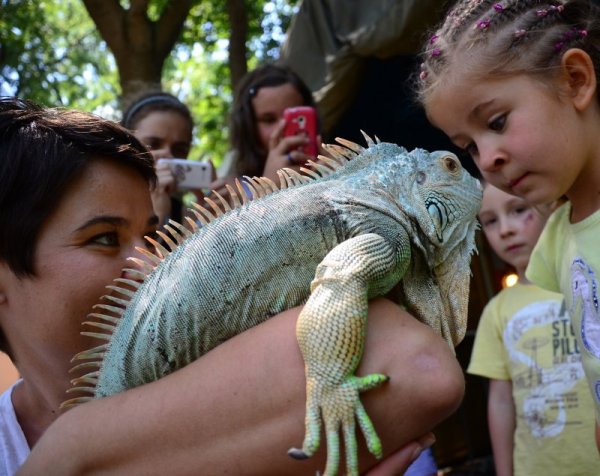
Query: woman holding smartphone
(164, 125)
(258, 143)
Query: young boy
(539, 405)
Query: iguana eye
(451, 164)
(421, 178)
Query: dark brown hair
(42, 151)
(152, 101)
(250, 155)
(508, 37)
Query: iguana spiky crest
(107, 320)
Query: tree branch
(170, 25)
(238, 19)
(108, 15)
(137, 6)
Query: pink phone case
(302, 120)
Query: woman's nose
(163, 153)
(139, 259)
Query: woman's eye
(181, 152)
(106, 239)
(155, 237)
(268, 119)
(498, 123)
(153, 145)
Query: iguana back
(387, 219)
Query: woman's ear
(577, 69)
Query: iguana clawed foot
(340, 407)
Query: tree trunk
(140, 46)
(238, 19)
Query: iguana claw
(297, 453)
(340, 407)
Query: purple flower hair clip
(570, 36)
(498, 7)
(551, 9)
(436, 52)
(483, 24)
(433, 39)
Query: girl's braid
(503, 27)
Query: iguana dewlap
(368, 222)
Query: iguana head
(436, 200)
(432, 189)
(446, 200)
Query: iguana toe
(297, 453)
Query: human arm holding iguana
(258, 377)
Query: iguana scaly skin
(333, 237)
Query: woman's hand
(161, 194)
(283, 152)
(198, 192)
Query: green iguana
(364, 223)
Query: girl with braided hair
(514, 83)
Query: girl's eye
(106, 239)
(498, 123)
(471, 149)
(487, 221)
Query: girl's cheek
(529, 217)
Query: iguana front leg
(331, 335)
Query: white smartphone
(190, 174)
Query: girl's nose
(491, 159)
(506, 227)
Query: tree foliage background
(51, 51)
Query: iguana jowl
(368, 222)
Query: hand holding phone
(190, 174)
(302, 120)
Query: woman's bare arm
(238, 409)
